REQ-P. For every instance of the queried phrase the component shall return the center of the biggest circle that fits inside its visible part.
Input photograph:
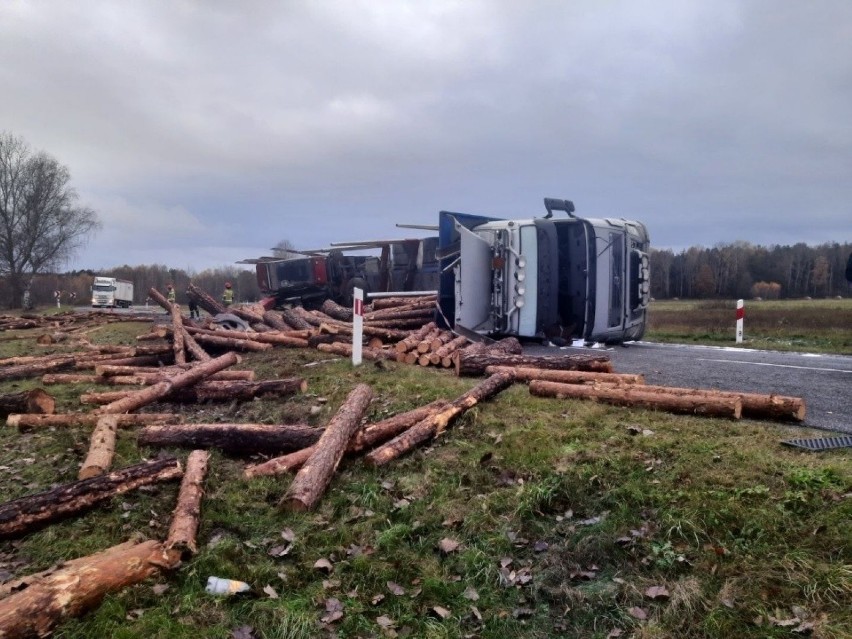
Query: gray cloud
(205, 132)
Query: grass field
(823, 326)
(563, 519)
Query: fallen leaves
(447, 545)
(657, 593)
(333, 611)
(638, 613)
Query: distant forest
(729, 271)
(743, 270)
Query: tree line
(743, 270)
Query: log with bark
(436, 423)
(312, 479)
(364, 439)
(315, 340)
(213, 307)
(27, 513)
(295, 320)
(144, 360)
(101, 448)
(389, 334)
(31, 401)
(161, 389)
(423, 313)
(22, 371)
(475, 364)
(566, 377)
(443, 355)
(226, 375)
(275, 320)
(285, 338)
(231, 343)
(46, 600)
(345, 349)
(335, 310)
(238, 439)
(425, 345)
(755, 405)
(395, 302)
(212, 391)
(707, 405)
(185, 518)
(26, 422)
(415, 338)
(402, 325)
(177, 335)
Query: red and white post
(357, 325)
(740, 316)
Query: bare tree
(41, 226)
(284, 249)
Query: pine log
(401, 314)
(371, 354)
(194, 348)
(288, 338)
(409, 358)
(232, 343)
(566, 377)
(636, 396)
(389, 334)
(425, 345)
(34, 359)
(755, 405)
(182, 380)
(160, 299)
(375, 342)
(31, 401)
(22, 371)
(364, 439)
(312, 479)
(335, 310)
(101, 448)
(26, 513)
(205, 301)
(401, 325)
(26, 422)
(476, 364)
(212, 391)
(415, 338)
(436, 423)
(275, 321)
(49, 379)
(444, 353)
(177, 335)
(113, 371)
(236, 439)
(295, 320)
(184, 527)
(78, 587)
(315, 340)
(145, 360)
(392, 302)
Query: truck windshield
(294, 271)
(573, 274)
(103, 287)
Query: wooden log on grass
(415, 338)
(31, 401)
(345, 350)
(523, 373)
(394, 302)
(436, 423)
(26, 422)
(636, 396)
(22, 371)
(232, 438)
(143, 360)
(232, 343)
(312, 479)
(185, 518)
(335, 310)
(443, 355)
(31, 511)
(79, 586)
(225, 375)
(101, 448)
(296, 321)
(364, 439)
(475, 364)
(275, 320)
(212, 391)
(425, 345)
(161, 389)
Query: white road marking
(739, 361)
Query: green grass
(823, 326)
(563, 517)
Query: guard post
(740, 316)
(357, 324)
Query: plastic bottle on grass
(222, 586)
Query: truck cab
(568, 278)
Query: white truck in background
(559, 279)
(109, 292)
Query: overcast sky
(205, 132)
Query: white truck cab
(111, 292)
(568, 278)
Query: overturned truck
(560, 279)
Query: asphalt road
(824, 381)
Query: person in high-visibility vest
(228, 295)
(171, 296)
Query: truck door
(473, 284)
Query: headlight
(520, 276)
(519, 302)
(520, 290)
(521, 261)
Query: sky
(206, 132)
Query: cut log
(237, 439)
(158, 297)
(755, 405)
(161, 389)
(289, 338)
(194, 348)
(295, 320)
(436, 423)
(184, 527)
(226, 375)
(275, 321)
(425, 313)
(212, 391)
(425, 345)
(101, 448)
(22, 371)
(48, 599)
(31, 401)
(50, 379)
(205, 301)
(335, 310)
(475, 364)
(177, 335)
(364, 439)
(232, 343)
(415, 338)
(566, 377)
(375, 342)
(444, 353)
(315, 340)
(145, 360)
(392, 302)
(401, 325)
(27, 513)
(26, 422)
(636, 396)
(371, 354)
(312, 479)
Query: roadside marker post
(740, 316)
(357, 325)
